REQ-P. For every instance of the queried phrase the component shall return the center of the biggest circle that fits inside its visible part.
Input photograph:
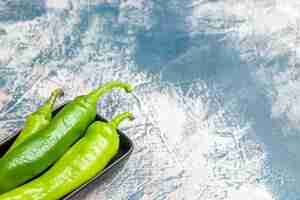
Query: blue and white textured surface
(217, 88)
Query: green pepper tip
(58, 92)
(107, 87)
(121, 117)
(129, 87)
(131, 117)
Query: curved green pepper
(37, 120)
(39, 151)
(79, 164)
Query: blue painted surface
(217, 84)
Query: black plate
(126, 148)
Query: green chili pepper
(38, 152)
(79, 164)
(38, 120)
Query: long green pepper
(79, 164)
(39, 151)
(37, 120)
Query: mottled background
(217, 88)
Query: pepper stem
(48, 105)
(121, 117)
(107, 87)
